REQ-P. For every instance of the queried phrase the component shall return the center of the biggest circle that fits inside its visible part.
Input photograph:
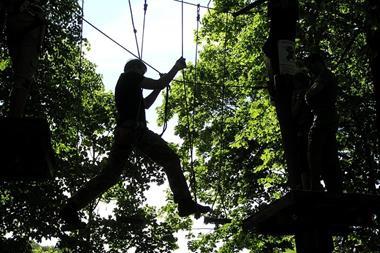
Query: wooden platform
(300, 210)
(25, 149)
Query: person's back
(322, 148)
(322, 98)
(129, 99)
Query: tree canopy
(228, 120)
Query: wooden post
(373, 41)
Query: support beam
(313, 217)
(249, 7)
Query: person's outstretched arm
(152, 84)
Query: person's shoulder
(133, 76)
(129, 76)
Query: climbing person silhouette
(132, 132)
(322, 147)
(25, 26)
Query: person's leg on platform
(317, 141)
(158, 150)
(332, 173)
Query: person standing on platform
(302, 119)
(322, 147)
(25, 27)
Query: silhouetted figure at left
(132, 132)
(322, 148)
(25, 151)
(25, 26)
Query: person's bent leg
(109, 176)
(158, 150)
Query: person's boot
(71, 219)
(188, 207)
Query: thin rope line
(195, 77)
(117, 43)
(81, 42)
(194, 181)
(222, 147)
(189, 132)
(134, 29)
(143, 30)
(149, 65)
(217, 85)
(182, 28)
(193, 4)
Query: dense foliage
(239, 160)
(228, 118)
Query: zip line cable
(134, 29)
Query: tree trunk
(373, 41)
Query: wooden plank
(298, 210)
(25, 149)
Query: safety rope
(193, 176)
(222, 147)
(117, 43)
(80, 20)
(189, 132)
(195, 91)
(182, 26)
(222, 141)
(134, 29)
(143, 29)
(155, 69)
